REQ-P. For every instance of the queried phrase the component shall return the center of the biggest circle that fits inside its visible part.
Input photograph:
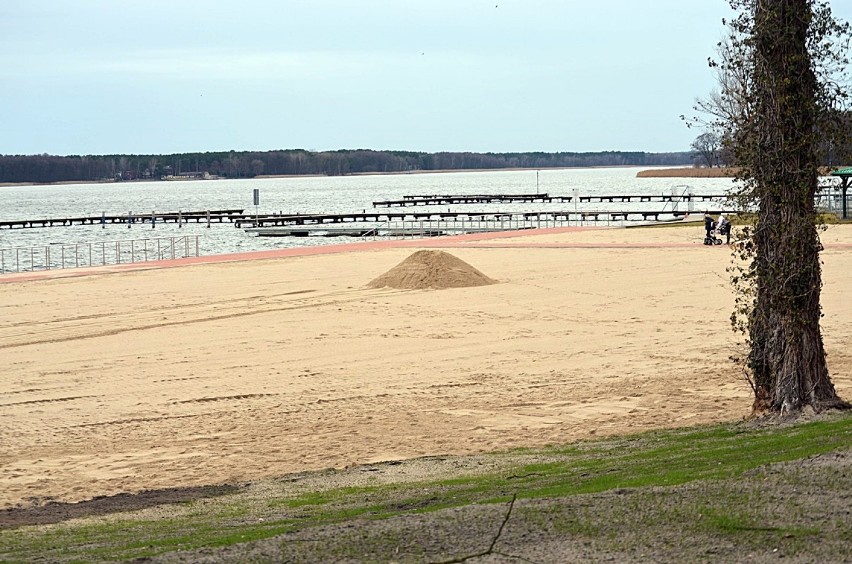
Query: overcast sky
(161, 76)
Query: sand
(213, 373)
(435, 270)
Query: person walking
(709, 225)
(725, 228)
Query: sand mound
(431, 269)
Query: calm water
(304, 195)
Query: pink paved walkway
(492, 240)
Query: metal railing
(829, 199)
(98, 253)
(679, 196)
(374, 233)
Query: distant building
(188, 176)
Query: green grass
(635, 463)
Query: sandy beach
(122, 380)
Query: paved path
(437, 242)
(492, 240)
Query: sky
(164, 76)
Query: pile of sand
(431, 269)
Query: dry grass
(687, 172)
(703, 172)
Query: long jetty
(239, 218)
(450, 199)
(387, 216)
(218, 216)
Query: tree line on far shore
(709, 149)
(248, 164)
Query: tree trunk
(787, 356)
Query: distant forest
(249, 164)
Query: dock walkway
(456, 199)
(387, 216)
(405, 231)
(209, 216)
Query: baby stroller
(712, 239)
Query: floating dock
(377, 231)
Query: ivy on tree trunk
(776, 144)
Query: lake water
(306, 195)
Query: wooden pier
(451, 199)
(217, 216)
(240, 219)
(445, 200)
(388, 216)
(663, 198)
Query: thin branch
(493, 541)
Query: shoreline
(652, 171)
(704, 172)
(462, 170)
(355, 174)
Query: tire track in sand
(104, 325)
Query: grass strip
(635, 462)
